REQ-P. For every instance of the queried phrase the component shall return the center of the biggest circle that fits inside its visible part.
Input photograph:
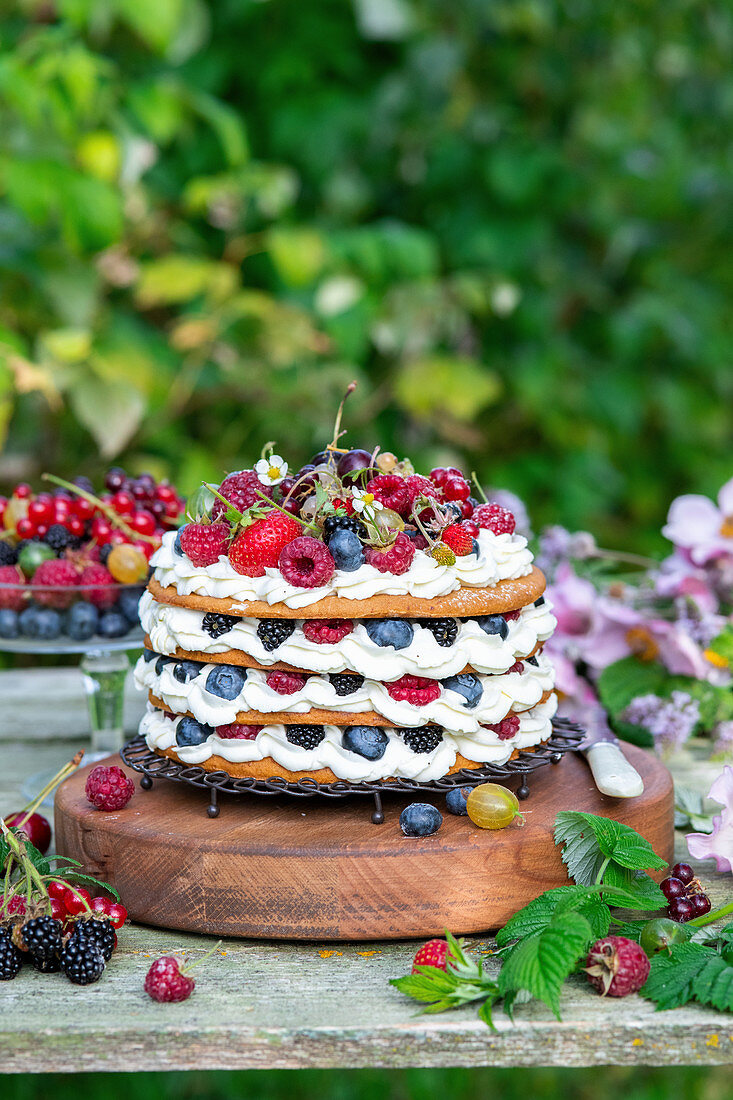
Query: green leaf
(298, 255)
(672, 974)
(588, 840)
(78, 876)
(441, 384)
(157, 24)
(623, 680)
(484, 1012)
(639, 889)
(541, 911)
(111, 409)
(541, 963)
(722, 645)
(227, 124)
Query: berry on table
(681, 910)
(617, 966)
(660, 934)
(414, 689)
(395, 559)
(420, 819)
(327, 631)
(11, 959)
(367, 741)
(108, 788)
(273, 632)
(306, 562)
(456, 799)
(433, 953)
(306, 737)
(445, 631)
(98, 929)
(82, 961)
(205, 543)
(42, 937)
(491, 806)
(166, 983)
(672, 888)
(492, 517)
(683, 872)
(701, 904)
(260, 545)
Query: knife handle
(613, 774)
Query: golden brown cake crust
(463, 603)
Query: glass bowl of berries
(73, 566)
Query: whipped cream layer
(500, 558)
(399, 759)
(497, 696)
(171, 628)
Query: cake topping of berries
(205, 543)
(215, 624)
(424, 739)
(345, 683)
(108, 788)
(286, 683)
(273, 632)
(306, 562)
(327, 631)
(236, 731)
(459, 539)
(395, 559)
(445, 631)
(392, 491)
(492, 517)
(306, 737)
(507, 728)
(414, 689)
(242, 489)
(260, 545)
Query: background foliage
(510, 221)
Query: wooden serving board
(318, 869)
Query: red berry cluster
(684, 894)
(69, 903)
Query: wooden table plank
(273, 1005)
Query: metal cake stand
(566, 736)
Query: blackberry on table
(8, 553)
(445, 631)
(215, 624)
(82, 961)
(57, 537)
(273, 632)
(345, 683)
(307, 737)
(423, 739)
(331, 524)
(46, 966)
(42, 937)
(100, 931)
(11, 959)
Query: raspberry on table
(414, 689)
(235, 731)
(103, 594)
(205, 543)
(165, 982)
(108, 788)
(507, 728)
(57, 573)
(273, 632)
(617, 966)
(395, 559)
(327, 631)
(345, 683)
(459, 539)
(392, 491)
(492, 517)
(242, 489)
(423, 739)
(11, 598)
(306, 737)
(306, 562)
(261, 545)
(285, 683)
(445, 631)
(433, 953)
(216, 624)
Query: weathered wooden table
(273, 1005)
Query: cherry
(683, 872)
(701, 904)
(672, 888)
(681, 910)
(36, 828)
(22, 491)
(354, 461)
(25, 528)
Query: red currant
(123, 503)
(75, 527)
(25, 528)
(672, 888)
(102, 530)
(101, 905)
(40, 511)
(117, 914)
(58, 909)
(22, 491)
(58, 891)
(3, 505)
(75, 901)
(683, 872)
(83, 509)
(456, 488)
(143, 522)
(166, 493)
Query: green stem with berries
(713, 915)
(106, 509)
(60, 776)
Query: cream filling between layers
(171, 628)
(500, 694)
(399, 760)
(501, 557)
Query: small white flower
(272, 470)
(366, 503)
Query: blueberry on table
(397, 633)
(467, 685)
(226, 681)
(367, 741)
(420, 819)
(493, 624)
(191, 732)
(455, 801)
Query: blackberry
(11, 959)
(345, 683)
(105, 552)
(539, 601)
(46, 966)
(100, 931)
(273, 632)
(332, 524)
(57, 537)
(8, 553)
(215, 625)
(308, 737)
(445, 631)
(82, 961)
(423, 739)
(532, 661)
(42, 937)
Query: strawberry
(459, 539)
(259, 546)
(432, 953)
(204, 543)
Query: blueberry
(177, 548)
(346, 550)
(493, 624)
(127, 603)
(161, 663)
(186, 670)
(191, 732)
(455, 801)
(225, 681)
(112, 624)
(81, 621)
(8, 623)
(149, 656)
(367, 741)
(476, 548)
(40, 622)
(467, 685)
(384, 632)
(420, 819)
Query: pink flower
(719, 844)
(677, 576)
(697, 526)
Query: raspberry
(459, 539)
(492, 517)
(103, 594)
(617, 966)
(205, 543)
(242, 489)
(306, 562)
(396, 559)
(165, 982)
(59, 573)
(260, 545)
(392, 491)
(285, 683)
(418, 486)
(327, 631)
(414, 689)
(516, 667)
(432, 953)
(11, 598)
(109, 788)
(512, 616)
(507, 728)
(237, 732)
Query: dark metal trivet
(566, 735)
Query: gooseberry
(491, 806)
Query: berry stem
(271, 503)
(479, 490)
(106, 509)
(62, 774)
(197, 962)
(333, 445)
(713, 915)
(602, 871)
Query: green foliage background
(509, 220)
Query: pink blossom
(719, 844)
(677, 576)
(699, 527)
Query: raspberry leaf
(542, 961)
(540, 913)
(590, 841)
(672, 976)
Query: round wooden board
(318, 869)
